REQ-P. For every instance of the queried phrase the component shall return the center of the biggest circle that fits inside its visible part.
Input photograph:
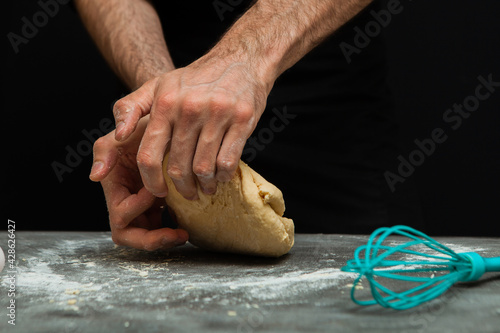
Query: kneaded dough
(245, 215)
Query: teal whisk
(429, 266)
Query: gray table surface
(82, 282)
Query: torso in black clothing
(334, 132)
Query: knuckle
(145, 160)
(99, 145)
(165, 102)
(227, 164)
(122, 105)
(192, 107)
(244, 113)
(175, 172)
(220, 103)
(116, 221)
(204, 170)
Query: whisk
(423, 261)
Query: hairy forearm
(129, 35)
(275, 34)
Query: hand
(134, 213)
(203, 113)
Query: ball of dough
(245, 215)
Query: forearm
(129, 35)
(275, 34)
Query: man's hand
(206, 111)
(203, 114)
(134, 213)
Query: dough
(245, 215)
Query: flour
(40, 277)
(285, 289)
(95, 272)
(462, 249)
(326, 277)
(425, 249)
(429, 251)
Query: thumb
(105, 157)
(129, 109)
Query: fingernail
(96, 168)
(161, 194)
(119, 128)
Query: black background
(58, 85)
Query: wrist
(146, 72)
(263, 41)
(224, 56)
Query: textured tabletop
(82, 282)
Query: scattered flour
(42, 278)
(86, 278)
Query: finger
(105, 157)
(204, 161)
(133, 205)
(149, 240)
(129, 109)
(151, 153)
(180, 161)
(234, 140)
(123, 205)
(230, 154)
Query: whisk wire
(406, 299)
(374, 261)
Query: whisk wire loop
(379, 262)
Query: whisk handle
(492, 264)
(480, 265)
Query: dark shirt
(328, 131)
